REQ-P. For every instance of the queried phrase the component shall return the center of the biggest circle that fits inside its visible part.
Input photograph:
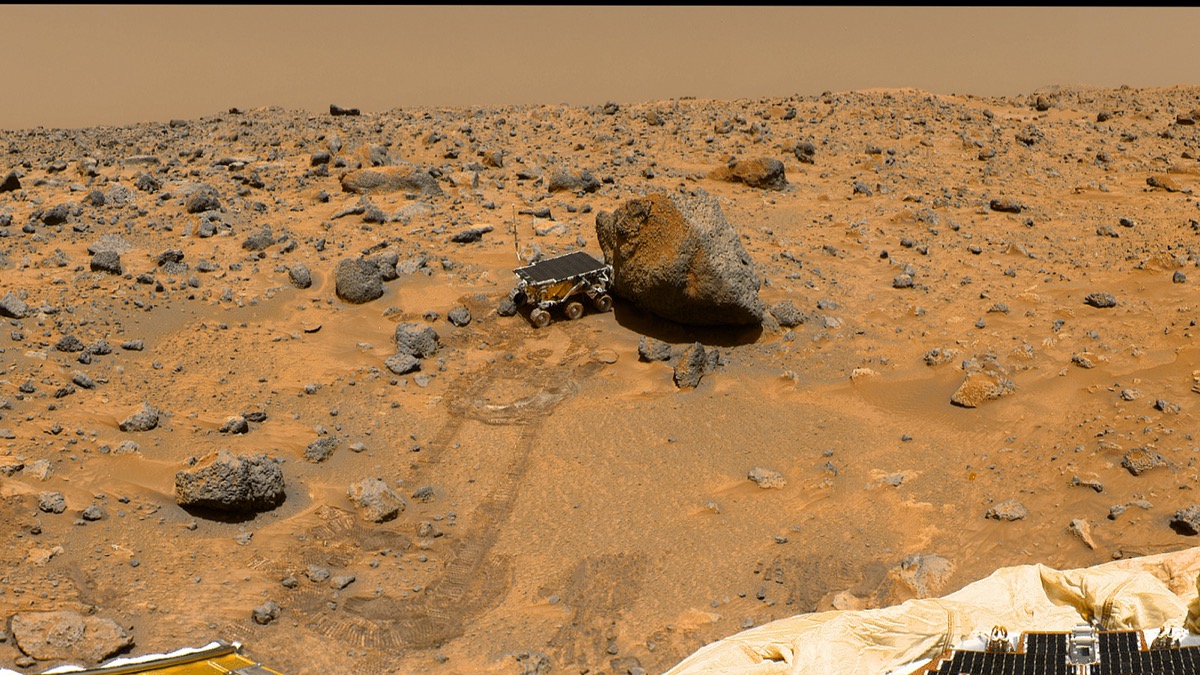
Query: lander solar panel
(1117, 653)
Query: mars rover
(563, 281)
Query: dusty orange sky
(72, 66)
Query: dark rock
(676, 256)
(56, 215)
(805, 152)
(506, 308)
(357, 281)
(1010, 510)
(1179, 277)
(299, 275)
(1006, 205)
(416, 340)
(260, 240)
(763, 172)
(1163, 405)
(202, 198)
(221, 481)
(142, 420)
(376, 502)
(69, 343)
(10, 183)
(320, 157)
(92, 513)
(83, 381)
(67, 635)
(1100, 300)
(471, 235)
(339, 111)
(321, 449)
(560, 179)
(459, 316)
(391, 179)
(902, 281)
(147, 183)
(1186, 521)
(107, 261)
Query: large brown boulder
(762, 172)
(68, 635)
(677, 257)
(391, 179)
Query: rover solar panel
(563, 267)
(1083, 651)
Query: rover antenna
(516, 246)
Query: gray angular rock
(107, 261)
(1009, 510)
(147, 183)
(693, 363)
(13, 307)
(357, 281)
(321, 449)
(201, 198)
(236, 484)
(259, 240)
(1101, 300)
(402, 364)
(235, 425)
(52, 502)
(766, 478)
(459, 316)
(376, 502)
(69, 343)
(787, 314)
(561, 179)
(266, 612)
(471, 234)
(1187, 520)
(299, 275)
(416, 340)
(677, 257)
(651, 349)
(144, 419)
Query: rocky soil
(260, 381)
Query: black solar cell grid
(562, 267)
(1045, 654)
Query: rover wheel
(573, 310)
(540, 318)
(603, 303)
